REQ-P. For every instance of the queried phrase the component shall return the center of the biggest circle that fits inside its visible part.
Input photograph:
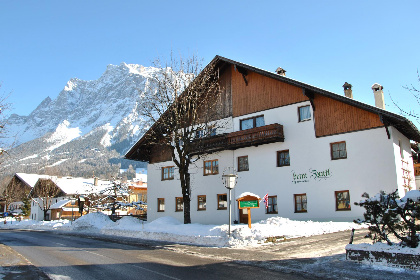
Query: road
(75, 257)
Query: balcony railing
(256, 136)
(240, 139)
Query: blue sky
(322, 43)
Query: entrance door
(243, 216)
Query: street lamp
(73, 202)
(229, 180)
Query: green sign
(248, 204)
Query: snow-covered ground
(170, 229)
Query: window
(200, 133)
(167, 173)
(300, 203)
(201, 200)
(252, 122)
(342, 201)
(221, 201)
(283, 158)
(179, 204)
(338, 150)
(210, 131)
(211, 167)
(272, 205)
(161, 205)
(243, 163)
(304, 113)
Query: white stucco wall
(370, 166)
(403, 160)
(36, 212)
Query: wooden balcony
(256, 136)
(240, 139)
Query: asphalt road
(78, 256)
(75, 257)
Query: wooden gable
(335, 117)
(260, 93)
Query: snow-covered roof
(72, 185)
(60, 204)
(31, 179)
(141, 177)
(69, 185)
(246, 194)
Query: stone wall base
(384, 258)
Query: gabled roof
(30, 179)
(401, 123)
(60, 204)
(69, 185)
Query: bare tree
(43, 193)
(184, 105)
(14, 191)
(415, 92)
(4, 107)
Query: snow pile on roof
(60, 204)
(246, 194)
(31, 179)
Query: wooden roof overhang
(142, 149)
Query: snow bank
(92, 221)
(171, 230)
(383, 247)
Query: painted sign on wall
(312, 174)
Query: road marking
(155, 272)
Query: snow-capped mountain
(90, 123)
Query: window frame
(181, 204)
(254, 121)
(299, 115)
(304, 210)
(337, 201)
(169, 173)
(278, 157)
(274, 206)
(202, 208)
(160, 201)
(247, 164)
(212, 165)
(218, 201)
(332, 150)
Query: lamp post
(229, 180)
(73, 202)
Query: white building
(312, 151)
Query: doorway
(243, 216)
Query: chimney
(95, 181)
(280, 71)
(347, 90)
(379, 95)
